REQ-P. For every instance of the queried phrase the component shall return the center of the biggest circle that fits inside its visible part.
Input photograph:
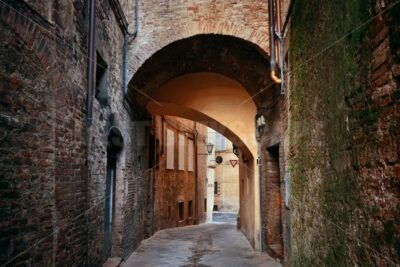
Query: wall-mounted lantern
(209, 148)
(260, 125)
(235, 150)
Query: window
(170, 149)
(181, 207)
(205, 205)
(220, 142)
(101, 80)
(181, 151)
(215, 208)
(190, 154)
(190, 203)
(215, 188)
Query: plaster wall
(227, 178)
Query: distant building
(226, 183)
(179, 172)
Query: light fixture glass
(209, 147)
(260, 125)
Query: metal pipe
(278, 28)
(288, 16)
(91, 61)
(271, 35)
(196, 176)
(282, 61)
(260, 198)
(129, 36)
(272, 48)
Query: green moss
(303, 261)
(318, 93)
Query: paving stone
(206, 245)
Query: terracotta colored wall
(174, 186)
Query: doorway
(114, 146)
(273, 219)
(109, 204)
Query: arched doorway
(115, 144)
(222, 82)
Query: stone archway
(149, 43)
(195, 76)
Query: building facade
(180, 177)
(226, 183)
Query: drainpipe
(91, 61)
(127, 37)
(196, 178)
(271, 16)
(280, 34)
(260, 198)
(288, 16)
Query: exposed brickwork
(240, 61)
(72, 159)
(245, 19)
(174, 186)
(272, 182)
(339, 123)
(27, 181)
(344, 135)
(44, 92)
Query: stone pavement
(225, 217)
(205, 245)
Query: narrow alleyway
(200, 133)
(206, 245)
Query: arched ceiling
(215, 78)
(212, 99)
(236, 58)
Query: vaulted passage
(220, 82)
(199, 133)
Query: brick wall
(53, 166)
(344, 134)
(174, 186)
(246, 19)
(28, 207)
